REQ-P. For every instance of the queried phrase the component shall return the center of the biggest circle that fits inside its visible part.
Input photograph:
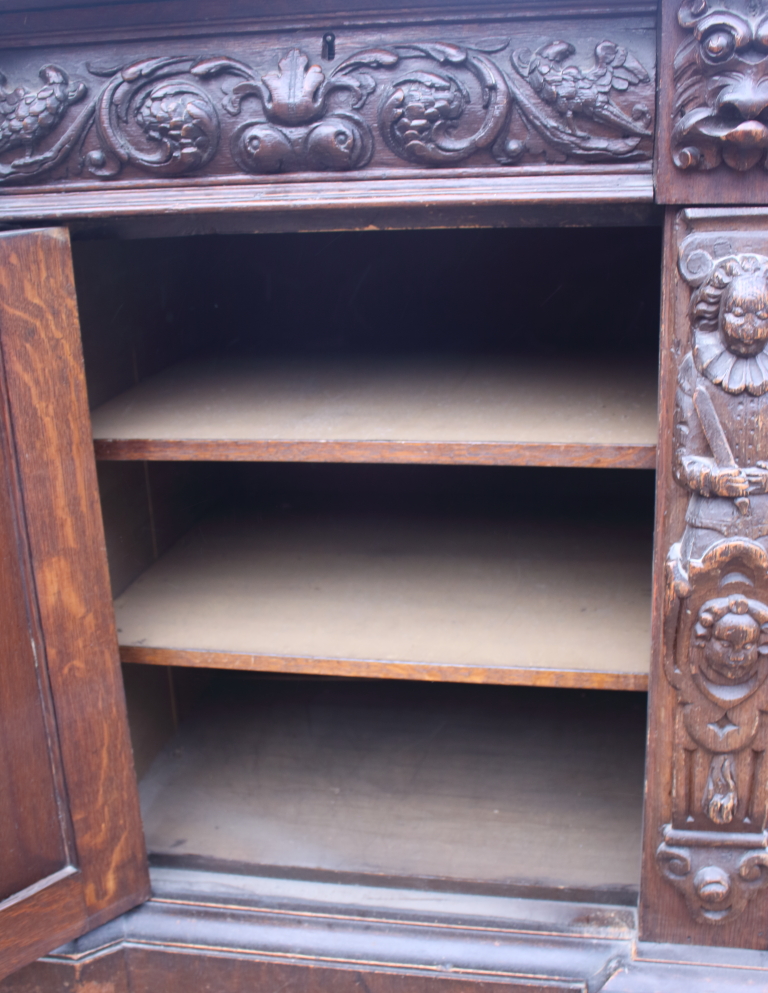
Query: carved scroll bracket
(716, 873)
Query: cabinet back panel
(541, 292)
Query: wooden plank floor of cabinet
(464, 599)
(436, 409)
(402, 780)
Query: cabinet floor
(498, 785)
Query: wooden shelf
(432, 598)
(499, 786)
(423, 410)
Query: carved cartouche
(720, 109)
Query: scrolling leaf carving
(420, 110)
(439, 104)
(721, 85)
(715, 616)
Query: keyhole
(329, 46)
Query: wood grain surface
(36, 841)
(499, 675)
(46, 403)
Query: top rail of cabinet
(471, 107)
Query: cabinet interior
(379, 520)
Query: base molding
(215, 931)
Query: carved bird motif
(574, 91)
(27, 116)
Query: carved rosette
(715, 850)
(431, 104)
(721, 86)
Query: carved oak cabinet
(350, 640)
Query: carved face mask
(744, 315)
(721, 106)
(732, 650)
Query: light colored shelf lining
(422, 399)
(451, 591)
(498, 786)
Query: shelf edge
(600, 456)
(382, 669)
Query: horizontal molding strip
(62, 205)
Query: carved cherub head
(744, 314)
(733, 632)
(729, 314)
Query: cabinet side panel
(39, 335)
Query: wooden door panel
(76, 856)
(33, 842)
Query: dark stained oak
(98, 868)
(215, 118)
(239, 110)
(711, 140)
(35, 842)
(706, 849)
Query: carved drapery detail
(715, 850)
(430, 103)
(721, 85)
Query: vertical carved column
(706, 845)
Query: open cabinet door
(71, 846)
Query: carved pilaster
(708, 769)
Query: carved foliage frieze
(720, 108)
(715, 849)
(429, 104)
